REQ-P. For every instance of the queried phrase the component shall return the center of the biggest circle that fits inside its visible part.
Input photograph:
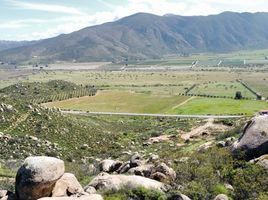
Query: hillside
(4, 45)
(204, 165)
(143, 36)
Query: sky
(39, 19)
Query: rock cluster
(140, 167)
(44, 178)
(7, 108)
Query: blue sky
(38, 19)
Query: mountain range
(13, 44)
(148, 36)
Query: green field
(220, 106)
(126, 101)
(122, 101)
(168, 82)
(227, 89)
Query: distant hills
(143, 36)
(13, 44)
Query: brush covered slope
(203, 168)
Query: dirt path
(183, 103)
(206, 128)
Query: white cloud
(45, 7)
(79, 20)
(20, 23)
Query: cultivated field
(131, 102)
(149, 90)
(122, 101)
(220, 106)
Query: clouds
(45, 7)
(72, 18)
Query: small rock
(136, 160)
(221, 144)
(221, 197)
(153, 157)
(143, 170)
(229, 186)
(159, 176)
(84, 146)
(124, 168)
(90, 190)
(169, 172)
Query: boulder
(136, 160)
(143, 170)
(254, 140)
(84, 197)
(3, 193)
(262, 161)
(67, 185)
(90, 190)
(164, 169)
(153, 158)
(158, 176)
(228, 186)
(117, 182)
(123, 168)
(221, 197)
(37, 177)
(109, 165)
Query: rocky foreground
(45, 177)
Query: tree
(238, 95)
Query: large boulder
(37, 177)
(254, 140)
(67, 185)
(117, 182)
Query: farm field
(259, 83)
(222, 89)
(121, 101)
(216, 106)
(118, 78)
(131, 102)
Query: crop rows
(81, 92)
